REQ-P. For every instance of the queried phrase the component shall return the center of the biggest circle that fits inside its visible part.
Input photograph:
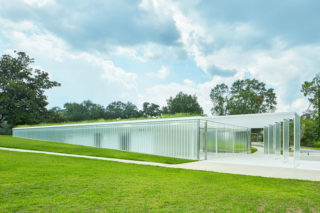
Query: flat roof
(118, 122)
(258, 120)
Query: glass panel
(286, 139)
(278, 139)
(173, 138)
(296, 137)
(270, 140)
(265, 140)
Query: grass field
(21, 143)
(177, 115)
(253, 150)
(42, 183)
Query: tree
(115, 109)
(76, 112)
(244, 97)
(184, 103)
(219, 95)
(150, 109)
(131, 111)
(54, 115)
(22, 98)
(309, 132)
(311, 89)
(87, 110)
(118, 109)
(95, 111)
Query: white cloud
(278, 65)
(139, 53)
(114, 74)
(161, 74)
(207, 42)
(160, 93)
(42, 44)
(39, 3)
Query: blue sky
(148, 50)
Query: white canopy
(254, 120)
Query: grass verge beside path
(42, 183)
(21, 143)
(253, 149)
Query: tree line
(87, 110)
(22, 100)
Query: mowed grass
(21, 143)
(32, 182)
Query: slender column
(249, 141)
(217, 140)
(278, 138)
(232, 135)
(265, 140)
(296, 128)
(270, 140)
(205, 140)
(285, 139)
(198, 139)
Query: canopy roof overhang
(253, 120)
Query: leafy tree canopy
(311, 89)
(150, 109)
(183, 103)
(22, 98)
(244, 97)
(118, 109)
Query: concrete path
(255, 165)
(310, 150)
(85, 156)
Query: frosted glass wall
(270, 140)
(285, 138)
(276, 139)
(219, 139)
(277, 136)
(188, 139)
(165, 138)
(265, 140)
(296, 137)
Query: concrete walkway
(254, 165)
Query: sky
(149, 50)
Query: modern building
(197, 138)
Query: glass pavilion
(198, 138)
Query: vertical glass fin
(285, 138)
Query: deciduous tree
(22, 98)
(244, 97)
(184, 103)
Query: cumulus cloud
(162, 73)
(62, 62)
(203, 42)
(95, 25)
(39, 3)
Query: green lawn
(21, 143)
(253, 150)
(42, 183)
